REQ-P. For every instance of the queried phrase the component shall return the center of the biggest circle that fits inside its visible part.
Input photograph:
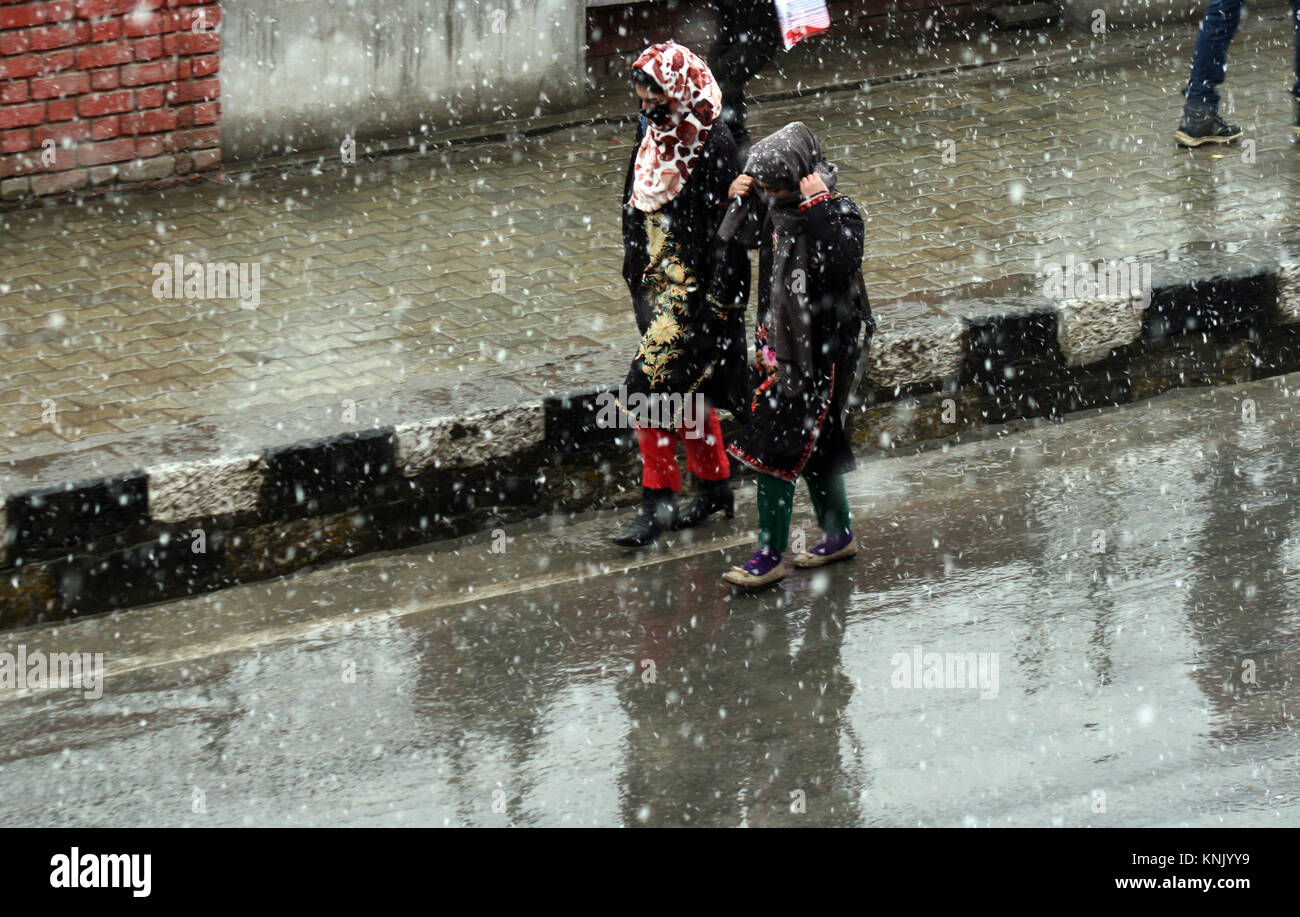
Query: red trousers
(706, 455)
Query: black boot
(1202, 125)
(1295, 116)
(658, 514)
(710, 496)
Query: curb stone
(461, 442)
(1089, 330)
(1288, 292)
(217, 487)
(901, 360)
(112, 542)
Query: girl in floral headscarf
(688, 290)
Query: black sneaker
(1295, 120)
(1198, 127)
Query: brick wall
(96, 93)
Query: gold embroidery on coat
(669, 284)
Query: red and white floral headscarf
(668, 154)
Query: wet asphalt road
(1128, 576)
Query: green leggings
(776, 505)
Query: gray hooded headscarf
(782, 161)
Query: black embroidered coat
(690, 342)
(797, 422)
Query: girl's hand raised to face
(741, 186)
(811, 186)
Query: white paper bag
(801, 18)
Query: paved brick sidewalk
(487, 273)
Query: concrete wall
(305, 74)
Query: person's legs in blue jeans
(1295, 24)
(1218, 27)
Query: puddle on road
(1087, 623)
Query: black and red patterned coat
(797, 421)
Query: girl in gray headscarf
(813, 325)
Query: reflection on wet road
(1120, 586)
